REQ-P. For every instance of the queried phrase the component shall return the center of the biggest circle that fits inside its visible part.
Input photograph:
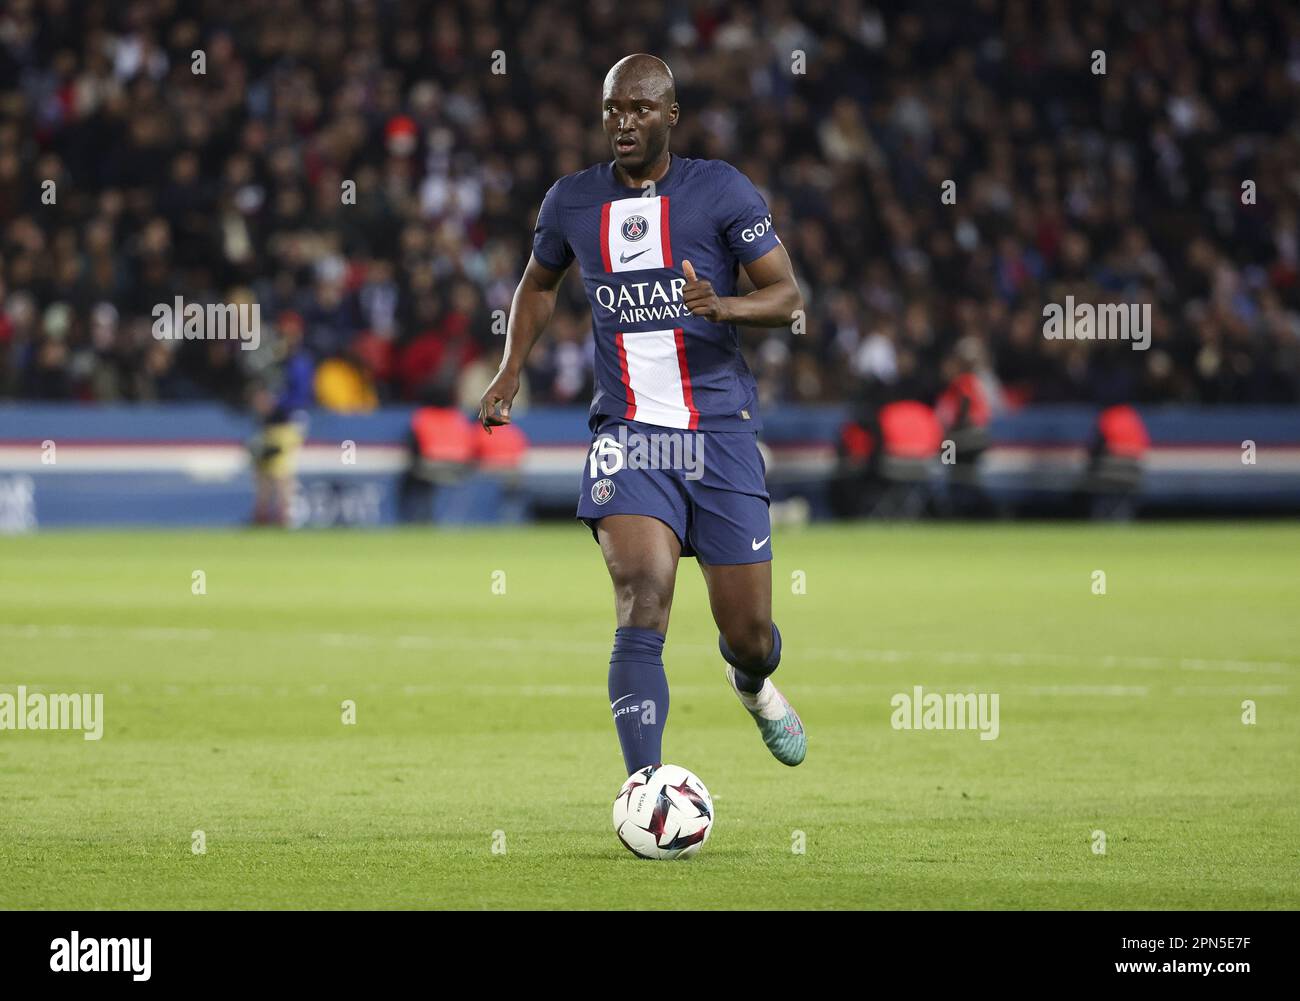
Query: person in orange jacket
(443, 452)
(965, 409)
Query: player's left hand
(700, 298)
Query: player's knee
(644, 599)
(750, 641)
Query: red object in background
(1123, 432)
(965, 388)
(354, 274)
(909, 430)
(1282, 275)
(1048, 237)
(504, 448)
(455, 325)
(1017, 396)
(375, 353)
(430, 354)
(706, 23)
(401, 135)
(443, 434)
(857, 442)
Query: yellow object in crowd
(341, 386)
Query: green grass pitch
(480, 712)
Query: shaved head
(648, 75)
(638, 110)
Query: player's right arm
(530, 311)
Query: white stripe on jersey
(654, 374)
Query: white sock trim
(767, 703)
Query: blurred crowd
(1172, 178)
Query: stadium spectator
(964, 410)
(275, 450)
(443, 447)
(1109, 488)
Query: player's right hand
(494, 407)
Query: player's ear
(674, 112)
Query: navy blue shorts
(707, 486)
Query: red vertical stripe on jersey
(604, 239)
(665, 237)
(622, 371)
(687, 398)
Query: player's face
(637, 123)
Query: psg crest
(635, 227)
(602, 491)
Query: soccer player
(660, 240)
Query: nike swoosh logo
(618, 700)
(759, 545)
(623, 258)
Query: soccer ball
(663, 812)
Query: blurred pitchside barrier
(64, 465)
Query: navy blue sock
(638, 695)
(750, 679)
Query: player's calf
(638, 695)
(778, 724)
(753, 649)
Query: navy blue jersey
(655, 362)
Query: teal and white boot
(778, 723)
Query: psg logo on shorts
(635, 227)
(602, 491)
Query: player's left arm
(775, 301)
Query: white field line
(1217, 690)
(421, 643)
